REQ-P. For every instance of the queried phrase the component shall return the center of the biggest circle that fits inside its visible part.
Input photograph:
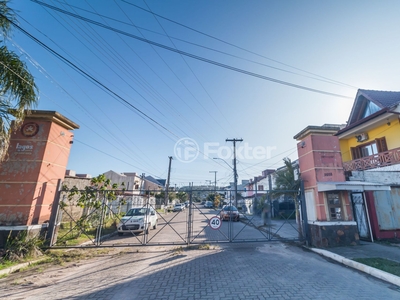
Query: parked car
(208, 204)
(186, 203)
(137, 220)
(229, 212)
(179, 207)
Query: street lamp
(223, 161)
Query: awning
(351, 186)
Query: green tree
(171, 196)
(95, 202)
(18, 92)
(215, 199)
(182, 196)
(160, 196)
(286, 184)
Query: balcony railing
(379, 160)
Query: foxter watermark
(187, 150)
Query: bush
(21, 246)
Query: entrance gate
(262, 218)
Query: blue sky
(151, 97)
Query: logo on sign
(30, 129)
(25, 149)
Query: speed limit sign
(215, 222)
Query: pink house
(329, 209)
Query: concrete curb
(19, 266)
(361, 267)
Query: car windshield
(137, 212)
(230, 208)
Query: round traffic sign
(215, 222)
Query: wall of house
(129, 180)
(320, 160)
(391, 133)
(384, 218)
(151, 186)
(388, 175)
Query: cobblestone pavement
(230, 271)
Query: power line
(233, 45)
(209, 61)
(320, 78)
(121, 99)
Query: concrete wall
(333, 234)
(388, 175)
(72, 211)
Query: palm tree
(287, 184)
(17, 86)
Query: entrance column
(37, 158)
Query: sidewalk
(346, 254)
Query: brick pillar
(37, 159)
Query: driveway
(230, 271)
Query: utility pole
(215, 180)
(167, 184)
(234, 164)
(142, 188)
(215, 184)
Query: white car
(137, 220)
(179, 207)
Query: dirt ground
(44, 274)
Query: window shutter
(381, 144)
(355, 152)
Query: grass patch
(383, 264)
(56, 257)
(204, 247)
(61, 256)
(72, 234)
(200, 247)
(7, 264)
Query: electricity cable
(209, 61)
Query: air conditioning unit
(362, 137)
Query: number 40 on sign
(215, 222)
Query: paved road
(173, 228)
(232, 271)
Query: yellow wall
(391, 133)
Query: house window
(334, 206)
(136, 186)
(373, 148)
(260, 187)
(370, 108)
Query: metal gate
(205, 217)
(360, 215)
